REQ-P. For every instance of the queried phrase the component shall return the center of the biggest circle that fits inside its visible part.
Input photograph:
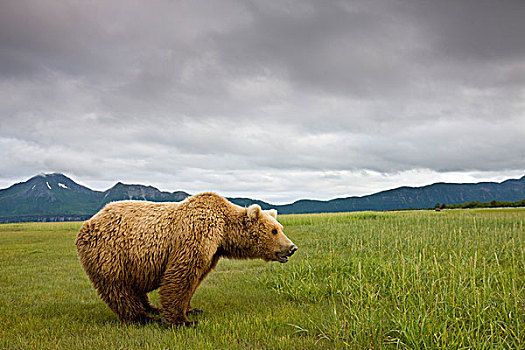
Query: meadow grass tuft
(410, 280)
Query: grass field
(418, 280)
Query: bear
(130, 248)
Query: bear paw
(153, 310)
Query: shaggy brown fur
(130, 248)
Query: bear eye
(274, 231)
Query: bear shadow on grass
(98, 313)
(90, 312)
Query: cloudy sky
(277, 100)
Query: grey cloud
(329, 49)
(285, 98)
(473, 30)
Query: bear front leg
(195, 310)
(175, 293)
(190, 309)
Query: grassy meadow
(453, 279)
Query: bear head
(267, 240)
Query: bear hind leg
(175, 294)
(125, 302)
(147, 306)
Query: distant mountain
(55, 197)
(52, 196)
(139, 192)
(246, 202)
(415, 197)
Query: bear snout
(282, 256)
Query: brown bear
(130, 248)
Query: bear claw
(194, 310)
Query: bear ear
(272, 213)
(254, 211)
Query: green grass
(417, 280)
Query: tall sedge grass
(416, 280)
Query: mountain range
(55, 197)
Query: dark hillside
(55, 197)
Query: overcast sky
(275, 100)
